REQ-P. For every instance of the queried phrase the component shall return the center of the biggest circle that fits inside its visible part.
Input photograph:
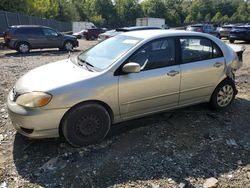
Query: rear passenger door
(32, 35)
(35, 37)
(202, 67)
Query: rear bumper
(224, 34)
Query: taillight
(199, 30)
(7, 36)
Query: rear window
(198, 49)
(29, 31)
(227, 27)
(196, 26)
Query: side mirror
(131, 68)
(59, 34)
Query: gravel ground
(189, 147)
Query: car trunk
(238, 50)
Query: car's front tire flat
(223, 95)
(86, 124)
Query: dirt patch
(180, 148)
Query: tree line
(116, 13)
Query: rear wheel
(86, 124)
(23, 47)
(223, 95)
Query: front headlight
(34, 99)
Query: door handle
(217, 64)
(173, 73)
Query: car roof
(229, 25)
(196, 25)
(134, 28)
(148, 34)
(243, 26)
(28, 26)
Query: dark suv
(240, 33)
(25, 37)
(92, 34)
(204, 28)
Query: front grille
(15, 95)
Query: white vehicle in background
(79, 28)
(153, 22)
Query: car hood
(69, 36)
(51, 76)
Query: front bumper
(76, 43)
(35, 122)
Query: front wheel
(86, 124)
(223, 95)
(68, 46)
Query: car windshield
(107, 52)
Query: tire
(23, 47)
(86, 124)
(223, 95)
(231, 40)
(92, 37)
(68, 46)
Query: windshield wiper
(87, 65)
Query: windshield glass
(107, 52)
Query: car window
(155, 54)
(217, 51)
(29, 31)
(49, 32)
(196, 49)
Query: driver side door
(51, 38)
(156, 86)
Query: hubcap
(225, 95)
(68, 46)
(24, 48)
(87, 125)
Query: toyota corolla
(128, 76)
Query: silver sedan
(128, 76)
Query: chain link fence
(10, 18)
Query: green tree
(127, 11)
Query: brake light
(199, 30)
(7, 36)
